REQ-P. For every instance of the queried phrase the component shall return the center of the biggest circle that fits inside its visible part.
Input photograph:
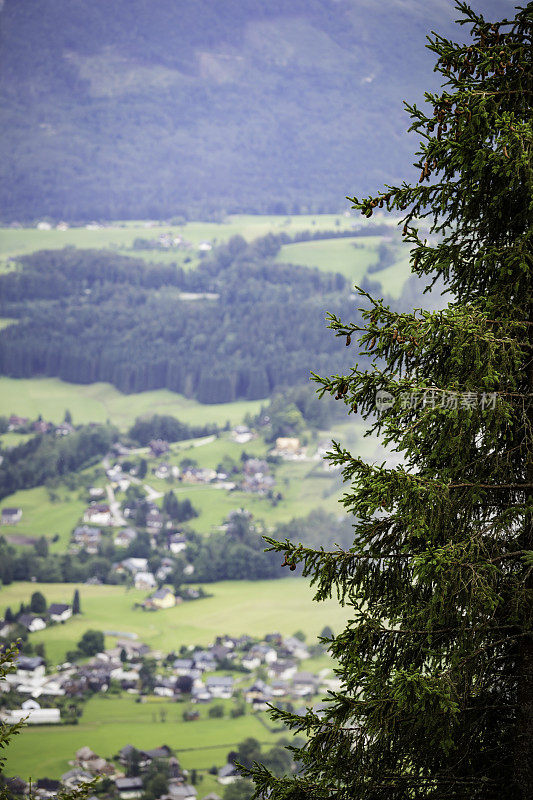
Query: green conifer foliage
(436, 663)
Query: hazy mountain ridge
(140, 109)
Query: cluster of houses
(87, 766)
(195, 674)
(29, 678)
(25, 425)
(56, 612)
(278, 656)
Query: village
(233, 676)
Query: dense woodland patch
(88, 316)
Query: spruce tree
(76, 603)
(436, 662)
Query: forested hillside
(236, 327)
(136, 108)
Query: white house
(220, 686)
(129, 788)
(31, 622)
(59, 612)
(30, 672)
(227, 774)
(98, 514)
(145, 581)
(32, 716)
(10, 516)
(125, 537)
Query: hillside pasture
(120, 236)
(235, 608)
(108, 723)
(98, 402)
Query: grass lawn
(42, 517)
(13, 439)
(392, 279)
(236, 608)
(108, 723)
(350, 257)
(98, 402)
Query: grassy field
(108, 723)
(98, 402)
(42, 516)
(351, 257)
(120, 236)
(236, 608)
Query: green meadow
(235, 608)
(351, 256)
(44, 514)
(120, 236)
(98, 402)
(109, 723)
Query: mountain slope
(143, 108)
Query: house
(133, 649)
(31, 622)
(288, 448)
(125, 537)
(241, 434)
(129, 788)
(204, 660)
(48, 788)
(10, 516)
(158, 447)
(251, 661)
(87, 537)
(135, 565)
(30, 671)
(16, 422)
(162, 471)
(32, 705)
(32, 716)
(154, 520)
(258, 694)
(40, 426)
(162, 598)
(158, 753)
(95, 492)
(220, 686)
(283, 669)
(182, 791)
(296, 648)
(304, 684)
(177, 543)
(89, 760)
(75, 777)
(184, 666)
(59, 612)
(64, 429)
(167, 565)
(228, 774)
(145, 581)
(98, 514)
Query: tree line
(47, 456)
(88, 316)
